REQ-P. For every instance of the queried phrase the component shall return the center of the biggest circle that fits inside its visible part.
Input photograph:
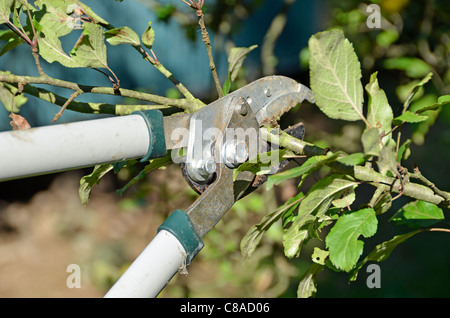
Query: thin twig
(205, 37)
(34, 41)
(418, 175)
(436, 229)
(16, 30)
(35, 54)
(63, 108)
(115, 82)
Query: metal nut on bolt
(202, 170)
(234, 152)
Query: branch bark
(365, 174)
(189, 105)
(197, 6)
(94, 108)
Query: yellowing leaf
(148, 37)
(122, 35)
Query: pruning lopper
(209, 144)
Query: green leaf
(346, 199)
(153, 164)
(256, 232)
(415, 89)
(342, 240)
(386, 37)
(8, 98)
(92, 50)
(319, 256)
(404, 151)
(335, 74)
(382, 201)
(319, 197)
(122, 35)
(12, 40)
(408, 117)
(308, 282)
(370, 140)
(5, 10)
(164, 12)
(236, 59)
(50, 49)
(420, 130)
(313, 207)
(263, 163)
(226, 86)
(37, 26)
(379, 112)
(418, 214)
(413, 67)
(382, 251)
(148, 37)
(309, 166)
(58, 16)
(87, 182)
(354, 159)
(442, 100)
(295, 236)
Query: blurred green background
(44, 228)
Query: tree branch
(205, 37)
(64, 106)
(368, 175)
(93, 108)
(418, 175)
(189, 105)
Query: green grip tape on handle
(180, 226)
(155, 124)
